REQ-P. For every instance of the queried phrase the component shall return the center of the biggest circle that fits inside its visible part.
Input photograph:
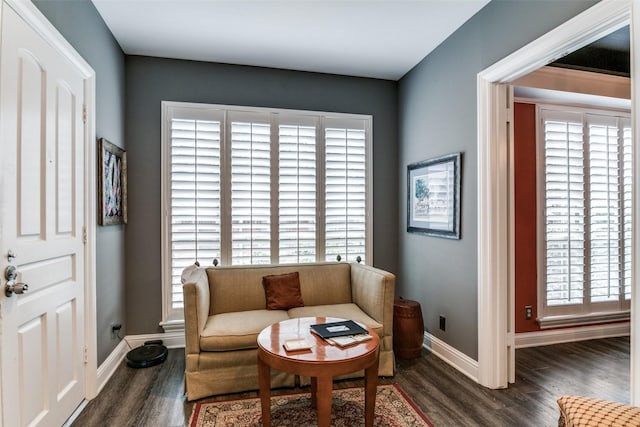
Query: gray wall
(437, 115)
(82, 26)
(430, 112)
(152, 80)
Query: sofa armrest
(196, 309)
(373, 290)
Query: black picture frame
(433, 196)
(112, 183)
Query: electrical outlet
(528, 312)
(443, 323)
(115, 329)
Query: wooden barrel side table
(408, 329)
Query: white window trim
(583, 319)
(172, 318)
(552, 318)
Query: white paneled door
(42, 141)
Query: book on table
(347, 340)
(338, 329)
(297, 344)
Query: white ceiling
(369, 38)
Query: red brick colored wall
(525, 215)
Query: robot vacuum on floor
(150, 354)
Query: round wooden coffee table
(322, 362)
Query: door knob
(15, 288)
(11, 273)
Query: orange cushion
(586, 412)
(282, 291)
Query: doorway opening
(496, 333)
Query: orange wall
(526, 274)
(525, 215)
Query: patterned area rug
(393, 409)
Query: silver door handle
(15, 288)
(12, 287)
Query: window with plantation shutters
(250, 192)
(627, 191)
(195, 196)
(564, 209)
(345, 168)
(297, 193)
(586, 207)
(260, 186)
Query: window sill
(174, 325)
(583, 319)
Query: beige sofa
(225, 310)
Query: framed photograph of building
(433, 197)
(112, 183)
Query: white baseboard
(558, 336)
(469, 367)
(109, 366)
(452, 356)
(174, 339)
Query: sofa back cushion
(239, 288)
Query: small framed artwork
(433, 197)
(112, 183)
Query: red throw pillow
(282, 291)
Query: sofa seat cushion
(238, 330)
(344, 311)
(578, 411)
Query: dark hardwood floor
(599, 368)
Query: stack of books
(342, 334)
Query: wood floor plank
(154, 396)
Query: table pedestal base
(321, 389)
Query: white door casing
(45, 134)
(494, 302)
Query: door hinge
(84, 113)
(85, 355)
(84, 235)
(509, 104)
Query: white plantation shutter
(259, 186)
(587, 211)
(345, 190)
(297, 182)
(605, 207)
(250, 193)
(195, 196)
(627, 183)
(564, 206)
